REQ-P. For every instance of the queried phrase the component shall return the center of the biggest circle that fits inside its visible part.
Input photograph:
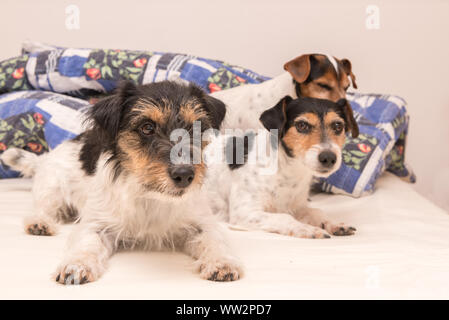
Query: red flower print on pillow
(18, 73)
(139, 63)
(94, 73)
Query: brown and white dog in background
(310, 75)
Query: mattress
(400, 250)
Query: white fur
(278, 203)
(334, 62)
(119, 214)
(245, 104)
(311, 158)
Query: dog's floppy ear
(347, 68)
(216, 109)
(299, 68)
(350, 123)
(275, 118)
(107, 112)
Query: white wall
(406, 56)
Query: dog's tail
(20, 160)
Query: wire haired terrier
(117, 179)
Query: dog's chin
(174, 194)
(323, 173)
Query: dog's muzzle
(327, 159)
(182, 176)
(323, 159)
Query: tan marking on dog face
(200, 172)
(309, 117)
(152, 111)
(192, 112)
(149, 170)
(338, 139)
(314, 90)
(199, 168)
(299, 143)
(337, 85)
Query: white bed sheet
(400, 250)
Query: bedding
(399, 251)
(12, 74)
(38, 121)
(78, 74)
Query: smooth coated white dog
(246, 195)
(302, 139)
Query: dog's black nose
(182, 176)
(327, 159)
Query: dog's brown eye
(337, 127)
(303, 127)
(147, 128)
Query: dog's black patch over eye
(337, 126)
(303, 127)
(147, 128)
(324, 86)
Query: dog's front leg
(281, 223)
(318, 218)
(214, 260)
(87, 255)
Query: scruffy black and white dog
(118, 180)
(251, 192)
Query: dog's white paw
(298, 230)
(76, 273)
(220, 269)
(338, 229)
(307, 232)
(39, 227)
(289, 226)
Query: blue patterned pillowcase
(383, 120)
(12, 74)
(85, 72)
(37, 121)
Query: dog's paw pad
(39, 229)
(220, 271)
(74, 274)
(341, 230)
(318, 235)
